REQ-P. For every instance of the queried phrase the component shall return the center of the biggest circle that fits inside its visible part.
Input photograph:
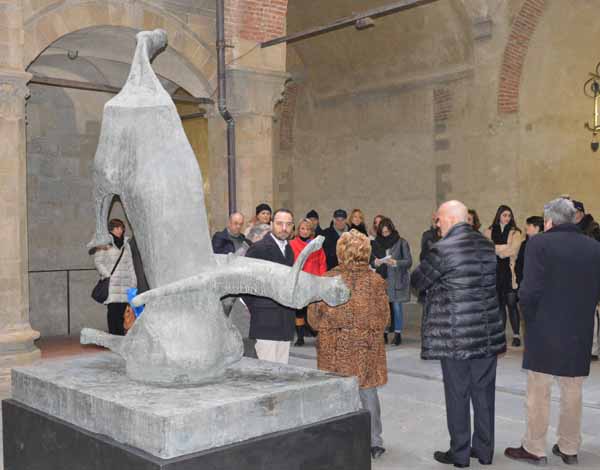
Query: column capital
(13, 93)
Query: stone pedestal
(16, 335)
(261, 415)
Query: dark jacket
(330, 245)
(589, 227)
(461, 319)
(268, 319)
(428, 238)
(558, 297)
(222, 243)
(520, 263)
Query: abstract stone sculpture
(144, 157)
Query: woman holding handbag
(115, 262)
(391, 258)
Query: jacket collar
(461, 227)
(565, 228)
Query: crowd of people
(471, 284)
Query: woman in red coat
(315, 264)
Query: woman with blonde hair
(315, 264)
(351, 335)
(357, 221)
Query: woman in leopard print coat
(350, 340)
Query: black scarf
(304, 239)
(499, 236)
(387, 242)
(118, 241)
(360, 227)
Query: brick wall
(515, 53)
(255, 20)
(442, 104)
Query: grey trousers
(370, 402)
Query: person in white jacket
(123, 277)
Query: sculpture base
(36, 441)
(254, 398)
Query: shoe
(481, 461)
(519, 453)
(397, 339)
(594, 357)
(299, 342)
(377, 452)
(446, 458)
(516, 342)
(566, 458)
(385, 338)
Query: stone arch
(44, 28)
(523, 29)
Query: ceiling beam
(353, 20)
(101, 87)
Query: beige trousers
(539, 387)
(274, 351)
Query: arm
(100, 262)
(511, 249)
(218, 245)
(532, 287)
(401, 258)
(429, 271)
(381, 304)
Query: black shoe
(397, 339)
(446, 458)
(566, 458)
(299, 342)
(385, 338)
(516, 342)
(594, 357)
(377, 452)
(520, 454)
(481, 461)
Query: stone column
(252, 95)
(16, 334)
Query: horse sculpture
(144, 157)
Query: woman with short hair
(121, 280)
(350, 335)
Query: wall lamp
(591, 88)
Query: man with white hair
(462, 327)
(558, 298)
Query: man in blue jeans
(462, 327)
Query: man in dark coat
(272, 324)
(589, 227)
(231, 239)
(332, 235)
(559, 294)
(462, 327)
(313, 216)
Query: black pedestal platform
(37, 441)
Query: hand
(390, 262)
(377, 262)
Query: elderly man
(338, 226)
(231, 239)
(462, 327)
(559, 293)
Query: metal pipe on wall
(222, 104)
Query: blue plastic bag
(131, 293)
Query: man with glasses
(271, 324)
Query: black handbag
(100, 291)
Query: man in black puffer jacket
(462, 327)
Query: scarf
(118, 242)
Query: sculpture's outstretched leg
(103, 200)
(92, 336)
